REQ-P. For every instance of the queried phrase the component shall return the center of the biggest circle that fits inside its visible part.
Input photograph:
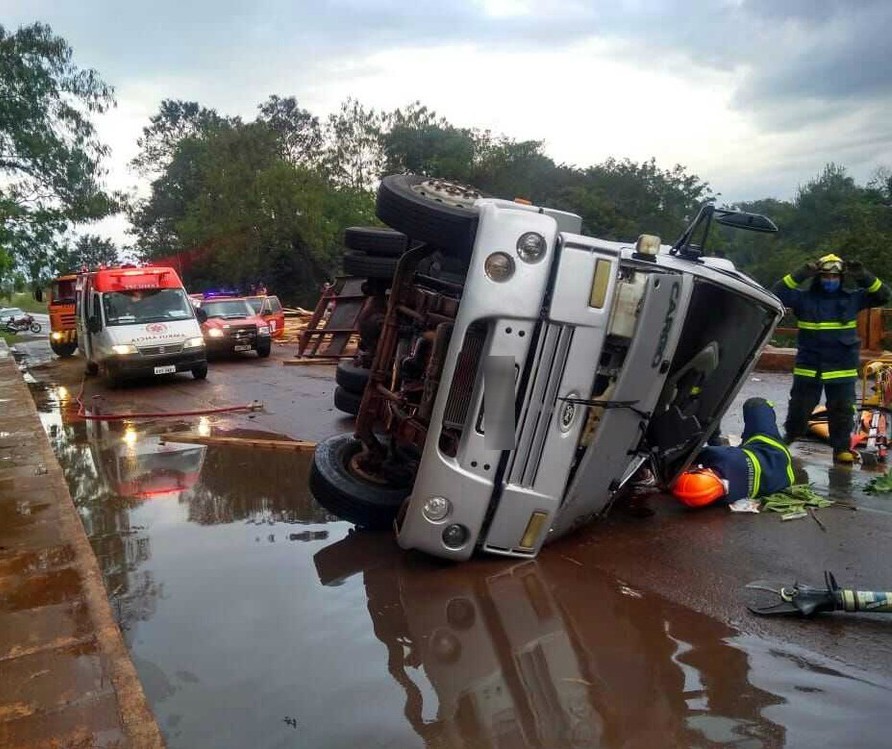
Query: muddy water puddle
(254, 618)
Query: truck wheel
(376, 240)
(351, 377)
(63, 349)
(346, 495)
(369, 266)
(200, 371)
(346, 401)
(263, 351)
(429, 210)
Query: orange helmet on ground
(698, 487)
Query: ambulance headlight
(123, 349)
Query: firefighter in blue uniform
(759, 466)
(828, 346)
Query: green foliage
(879, 484)
(794, 499)
(88, 250)
(50, 158)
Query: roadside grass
(24, 300)
(8, 337)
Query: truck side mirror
(201, 315)
(93, 324)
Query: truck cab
(137, 322)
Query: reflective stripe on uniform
(780, 446)
(839, 374)
(802, 372)
(757, 472)
(789, 282)
(805, 325)
(874, 287)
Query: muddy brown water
(255, 618)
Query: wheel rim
(448, 193)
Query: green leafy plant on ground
(879, 484)
(794, 499)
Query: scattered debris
(265, 444)
(744, 505)
(793, 501)
(879, 484)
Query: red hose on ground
(81, 411)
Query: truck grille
(538, 408)
(242, 333)
(464, 377)
(67, 321)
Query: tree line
(236, 201)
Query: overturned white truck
(505, 405)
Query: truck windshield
(62, 292)
(145, 305)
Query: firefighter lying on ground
(759, 466)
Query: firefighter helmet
(698, 487)
(830, 264)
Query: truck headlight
(193, 342)
(56, 336)
(436, 509)
(531, 247)
(215, 333)
(455, 536)
(122, 349)
(263, 330)
(499, 267)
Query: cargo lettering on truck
(667, 326)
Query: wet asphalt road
(254, 618)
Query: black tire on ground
(347, 496)
(92, 368)
(63, 349)
(351, 377)
(413, 205)
(376, 240)
(369, 266)
(263, 349)
(200, 371)
(346, 401)
(35, 327)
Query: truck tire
(347, 496)
(376, 240)
(63, 349)
(428, 210)
(369, 266)
(351, 377)
(346, 401)
(264, 349)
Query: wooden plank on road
(201, 439)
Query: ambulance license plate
(169, 369)
(242, 347)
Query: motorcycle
(23, 324)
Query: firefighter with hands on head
(759, 466)
(828, 347)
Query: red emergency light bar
(131, 279)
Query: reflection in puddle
(208, 552)
(543, 654)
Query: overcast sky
(753, 96)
